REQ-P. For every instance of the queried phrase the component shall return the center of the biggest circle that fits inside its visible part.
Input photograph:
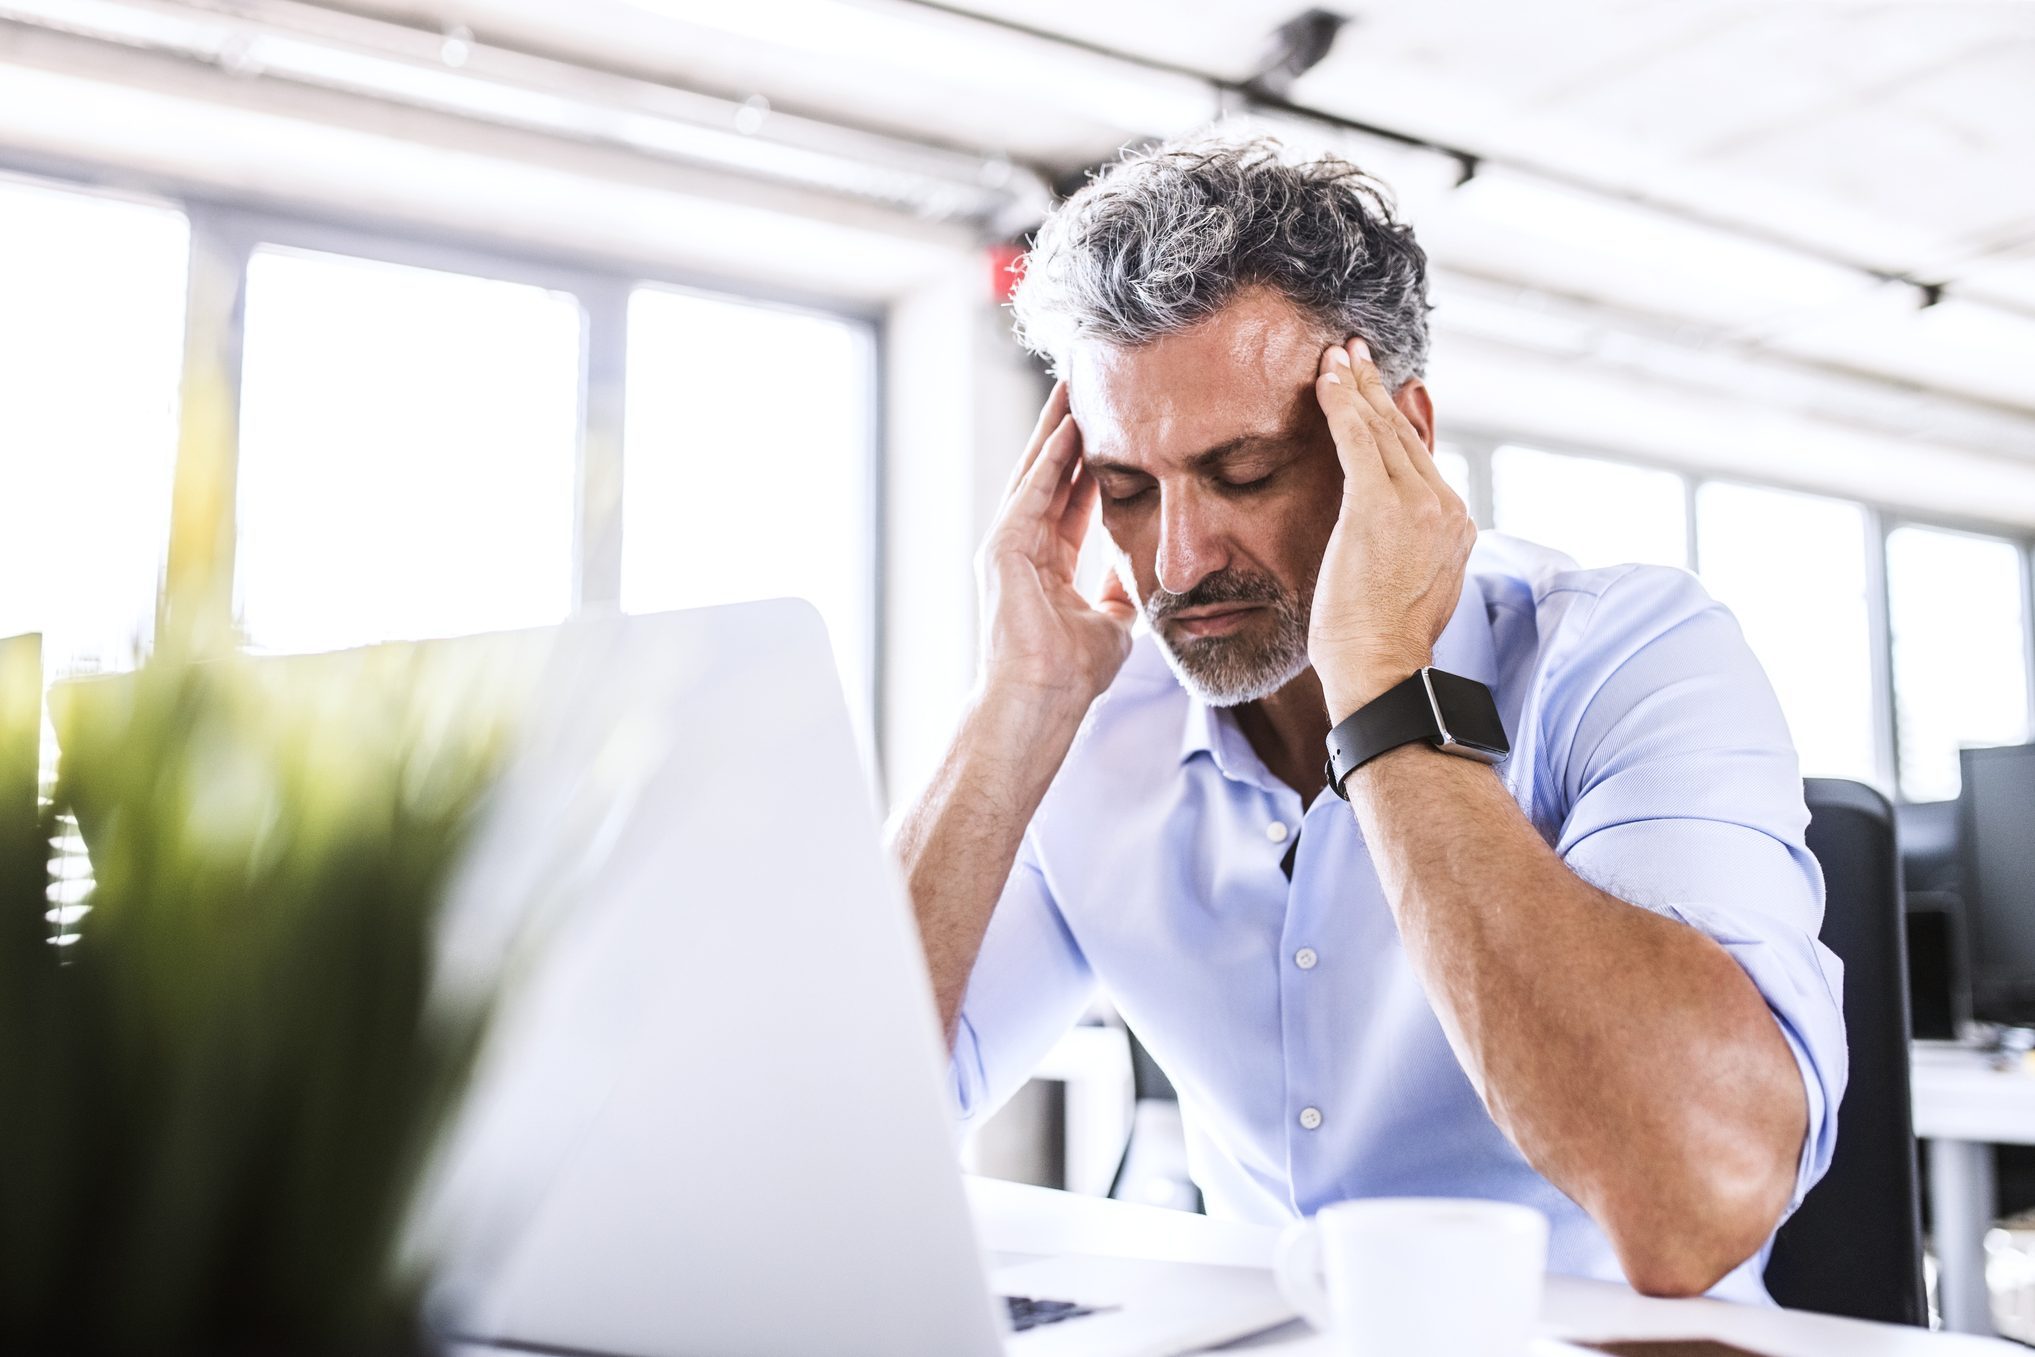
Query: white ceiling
(1901, 132)
(1893, 136)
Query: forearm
(959, 839)
(1627, 1055)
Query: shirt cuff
(967, 1081)
(1801, 981)
(1810, 1167)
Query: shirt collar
(1464, 647)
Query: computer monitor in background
(1996, 831)
(1939, 989)
(23, 877)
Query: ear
(1413, 402)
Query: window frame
(225, 230)
(1479, 443)
(2022, 545)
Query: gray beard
(1225, 671)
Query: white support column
(960, 399)
(598, 558)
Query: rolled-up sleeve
(1030, 984)
(1684, 796)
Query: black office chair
(1855, 1246)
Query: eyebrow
(1204, 460)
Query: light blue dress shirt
(1647, 748)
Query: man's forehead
(1245, 372)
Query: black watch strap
(1423, 706)
(1399, 715)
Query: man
(1586, 978)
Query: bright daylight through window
(1792, 569)
(1956, 605)
(748, 466)
(408, 450)
(1601, 513)
(91, 350)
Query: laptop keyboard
(1027, 1313)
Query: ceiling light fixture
(1297, 47)
(450, 72)
(1020, 65)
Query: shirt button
(1310, 1117)
(1276, 832)
(1305, 958)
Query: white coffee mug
(1437, 1276)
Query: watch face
(1469, 713)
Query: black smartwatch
(1454, 714)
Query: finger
(1363, 464)
(1068, 480)
(1379, 413)
(1050, 415)
(1079, 506)
(1418, 457)
(1424, 463)
(1042, 480)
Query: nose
(1190, 547)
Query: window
(408, 453)
(1956, 608)
(747, 461)
(1601, 513)
(410, 465)
(91, 353)
(1793, 568)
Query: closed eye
(1234, 487)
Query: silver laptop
(712, 1117)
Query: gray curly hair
(1168, 236)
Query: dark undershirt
(1292, 849)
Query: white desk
(1017, 1220)
(1964, 1107)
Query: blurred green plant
(216, 1100)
